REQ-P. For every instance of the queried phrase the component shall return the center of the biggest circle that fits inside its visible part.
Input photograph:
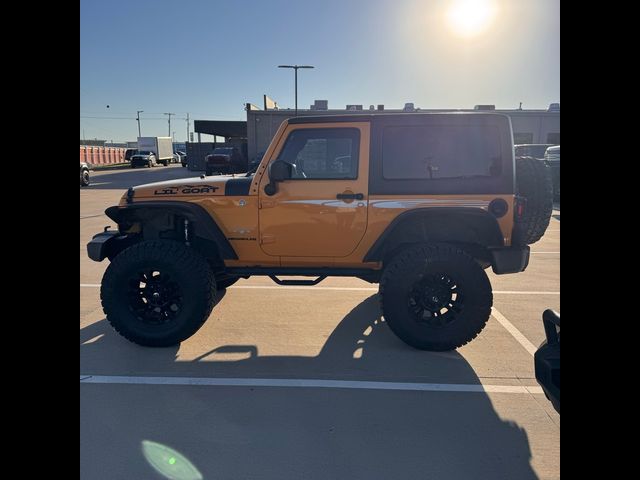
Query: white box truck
(161, 146)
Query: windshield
(223, 151)
(145, 152)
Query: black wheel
(534, 183)
(224, 281)
(84, 178)
(158, 293)
(435, 297)
(165, 163)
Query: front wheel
(158, 293)
(435, 297)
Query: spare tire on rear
(534, 186)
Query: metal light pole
(295, 68)
(138, 118)
(187, 127)
(169, 122)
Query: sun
(469, 18)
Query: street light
(138, 118)
(295, 68)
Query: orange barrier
(101, 155)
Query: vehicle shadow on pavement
(243, 432)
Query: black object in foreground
(547, 359)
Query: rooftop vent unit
(554, 107)
(354, 107)
(409, 107)
(484, 107)
(380, 107)
(320, 105)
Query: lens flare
(469, 18)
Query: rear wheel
(435, 297)
(225, 281)
(158, 293)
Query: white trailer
(161, 146)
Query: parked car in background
(128, 153)
(552, 158)
(183, 157)
(535, 150)
(176, 158)
(144, 158)
(84, 174)
(225, 160)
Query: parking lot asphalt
(291, 382)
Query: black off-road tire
(460, 323)
(185, 267)
(225, 282)
(534, 183)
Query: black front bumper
(509, 259)
(104, 244)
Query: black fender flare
(476, 220)
(206, 227)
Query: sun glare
(469, 18)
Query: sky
(210, 57)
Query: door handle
(350, 196)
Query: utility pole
(187, 127)
(138, 118)
(169, 122)
(296, 67)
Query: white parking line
(309, 383)
(356, 289)
(515, 333)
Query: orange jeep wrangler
(420, 203)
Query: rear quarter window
(433, 152)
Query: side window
(441, 151)
(323, 153)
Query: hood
(215, 185)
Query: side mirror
(278, 172)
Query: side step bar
(297, 282)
